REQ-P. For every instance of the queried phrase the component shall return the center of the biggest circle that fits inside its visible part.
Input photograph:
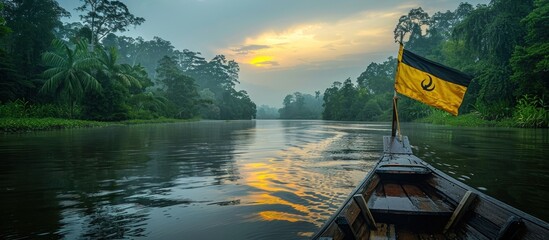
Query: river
(264, 179)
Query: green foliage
(379, 77)
(24, 109)
(530, 62)
(267, 112)
(32, 23)
(300, 106)
(68, 75)
(466, 120)
(3, 29)
(36, 124)
(531, 112)
(237, 105)
(180, 89)
(107, 104)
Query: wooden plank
(393, 145)
(396, 198)
(436, 198)
(404, 234)
(483, 225)
(420, 199)
(344, 225)
(393, 190)
(371, 186)
(461, 209)
(493, 212)
(383, 232)
(377, 200)
(361, 228)
(332, 231)
(351, 212)
(449, 190)
(366, 214)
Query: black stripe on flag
(436, 69)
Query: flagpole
(395, 115)
(395, 124)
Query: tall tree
(530, 61)
(68, 75)
(180, 89)
(491, 33)
(379, 77)
(32, 23)
(10, 81)
(412, 25)
(104, 17)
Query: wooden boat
(404, 197)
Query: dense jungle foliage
(83, 70)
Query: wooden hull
(406, 198)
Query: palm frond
(54, 59)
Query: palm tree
(122, 73)
(69, 71)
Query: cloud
(267, 63)
(246, 49)
(304, 44)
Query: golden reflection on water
(288, 181)
(281, 216)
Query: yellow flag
(430, 82)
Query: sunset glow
(310, 44)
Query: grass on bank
(38, 124)
(466, 120)
(12, 125)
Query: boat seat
(407, 203)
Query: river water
(236, 179)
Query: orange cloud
(318, 42)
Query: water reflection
(233, 180)
(506, 163)
(103, 183)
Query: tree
(104, 17)
(32, 23)
(530, 62)
(11, 83)
(68, 75)
(301, 106)
(491, 33)
(180, 89)
(412, 24)
(119, 82)
(379, 77)
(122, 73)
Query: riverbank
(465, 120)
(13, 125)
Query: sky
(282, 46)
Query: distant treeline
(504, 45)
(83, 70)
